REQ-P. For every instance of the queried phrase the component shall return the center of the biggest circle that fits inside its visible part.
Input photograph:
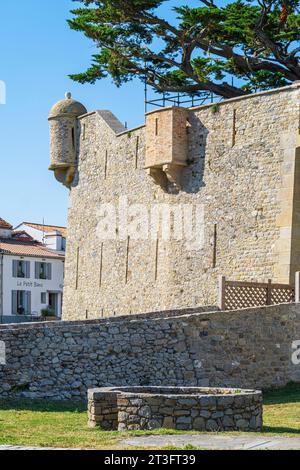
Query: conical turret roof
(68, 106)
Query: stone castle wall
(251, 348)
(241, 170)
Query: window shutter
(49, 271)
(27, 269)
(15, 267)
(37, 265)
(28, 303)
(14, 309)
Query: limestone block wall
(166, 136)
(251, 348)
(242, 173)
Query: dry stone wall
(241, 169)
(201, 409)
(251, 348)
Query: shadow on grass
(22, 404)
(288, 394)
(280, 430)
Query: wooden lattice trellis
(238, 294)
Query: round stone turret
(64, 134)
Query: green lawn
(45, 424)
(282, 411)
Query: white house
(52, 236)
(31, 275)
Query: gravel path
(217, 442)
(202, 441)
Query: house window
(21, 269)
(43, 270)
(21, 302)
(43, 298)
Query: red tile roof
(22, 235)
(20, 247)
(4, 224)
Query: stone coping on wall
(115, 125)
(171, 391)
(206, 312)
(294, 86)
(118, 318)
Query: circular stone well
(184, 408)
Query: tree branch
(225, 90)
(276, 50)
(249, 64)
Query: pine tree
(202, 49)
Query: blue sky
(38, 51)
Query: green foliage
(202, 49)
(215, 108)
(47, 312)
